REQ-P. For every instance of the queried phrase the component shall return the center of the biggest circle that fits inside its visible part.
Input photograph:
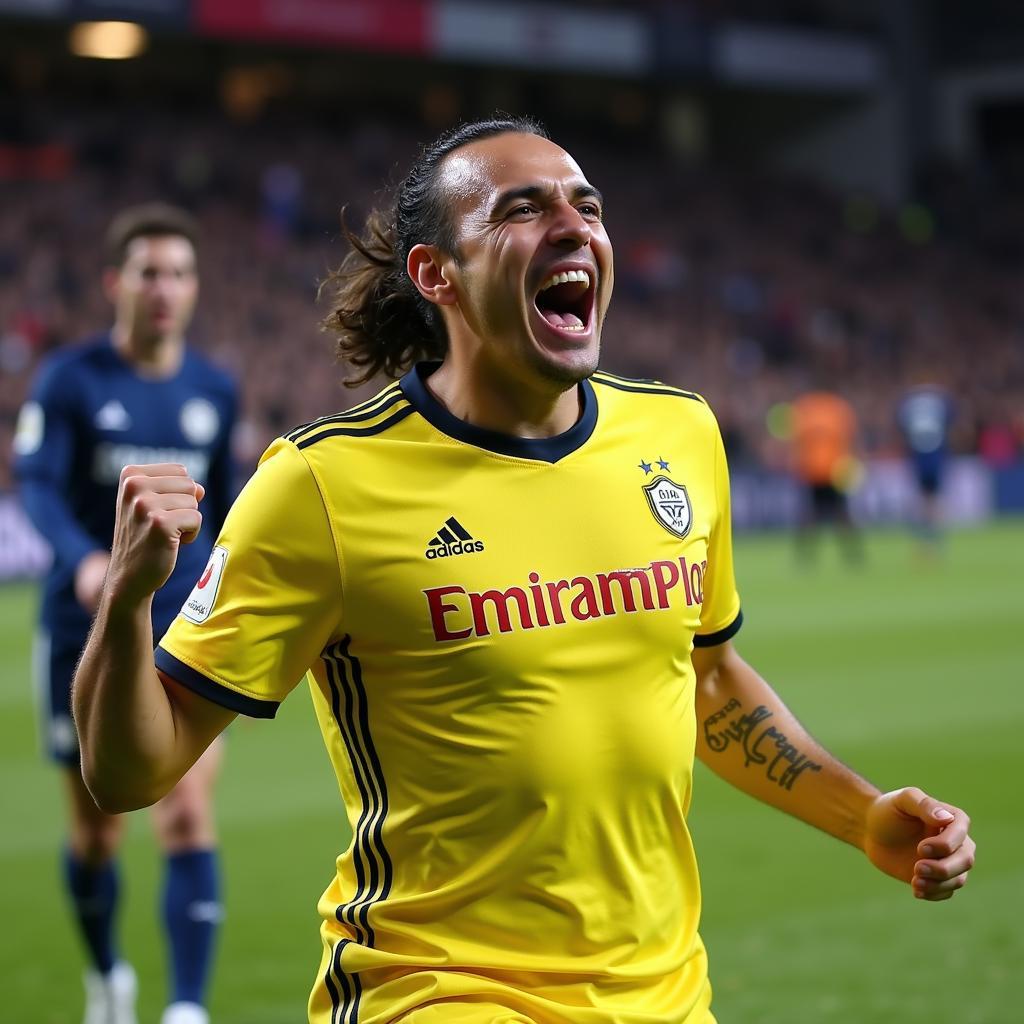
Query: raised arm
(749, 737)
(139, 730)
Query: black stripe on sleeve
(631, 380)
(211, 690)
(377, 428)
(352, 416)
(643, 390)
(298, 431)
(714, 639)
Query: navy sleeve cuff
(213, 691)
(714, 639)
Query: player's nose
(568, 227)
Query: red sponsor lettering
(625, 580)
(666, 576)
(697, 582)
(457, 613)
(439, 607)
(538, 600)
(584, 605)
(554, 591)
(499, 601)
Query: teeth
(565, 277)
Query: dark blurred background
(800, 194)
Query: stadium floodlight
(108, 40)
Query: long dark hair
(382, 323)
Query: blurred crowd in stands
(748, 289)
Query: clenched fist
(157, 510)
(920, 840)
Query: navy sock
(192, 911)
(94, 890)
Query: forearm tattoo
(762, 743)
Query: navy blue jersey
(89, 415)
(925, 416)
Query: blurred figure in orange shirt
(824, 435)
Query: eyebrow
(537, 192)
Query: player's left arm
(747, 735)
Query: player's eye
(523, 210)
(590, 210)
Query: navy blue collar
(542, 449)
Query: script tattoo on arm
(762, 743)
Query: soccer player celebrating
(134, 394)
(509, 578)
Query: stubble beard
(566, 374)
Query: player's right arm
(140, 731)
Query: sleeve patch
(199, 604)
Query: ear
(111, 280)
(427, 271)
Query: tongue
(562, 319)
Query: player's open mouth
(565, 300)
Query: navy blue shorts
(929, 478)
(54, 660)
(827, 504)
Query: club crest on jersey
(670, 504)
(199, 421)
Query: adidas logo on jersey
(452, 539)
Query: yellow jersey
(497, 634)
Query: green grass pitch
(912, 673)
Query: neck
(485, 396)
(158, 356)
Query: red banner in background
(390, 25)
(51, 161)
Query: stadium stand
(741, 287)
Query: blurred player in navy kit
(925, 416)
(135, 393)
